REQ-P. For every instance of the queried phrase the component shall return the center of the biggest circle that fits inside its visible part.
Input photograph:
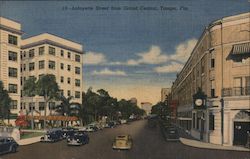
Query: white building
(10, 42)
(147, 106)
(50, 54)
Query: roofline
(53, 35)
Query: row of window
(52, 51)
(77, 81)
(51, 65)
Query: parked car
(110, 124)
(79, 138)
(122, 142)
(52, 135)
(91, 128)
(170, 133)
(123, 121)
(68, 133)
(8, 144)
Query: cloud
(94, 58)
(171, 68)
(183, 50)
(108, 72)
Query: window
(12, 72)
(23, 106)
(62, 79)
(21, 68)
(69, 67)
(69, 94)
(62, 66)
(77, 94)
(77, 83)
(69, 55)
(32, 106)
(238, 86)
(12, 56)
(21, 80)
(24, 67)
(12, 39)
(41, 50)
(21, 55)
(31, 53)
(24, 54)
(52, 51)
(52, 65)
(77, 70)
(68, 80)
(41, 64)
(31, 66)
(62, 53)
(247, 91)
(77, 58)
(13, 104)
(12, 88)
(211, 121)
(52, 105)
(212, 63)
(41, 105)
(212, 88)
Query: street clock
(199, 100)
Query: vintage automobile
(122, 142)
(170, 133)
(7, 144)
(91, 128)
(110, 124)
(79, 138)
(52, 135)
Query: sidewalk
(187, 139)
(29, 141)
(199, 144)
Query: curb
(199, 144)
(29, 141)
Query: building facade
(164, 94)
(147, 106)
(50, 54)
(36, 56)
(220, 66)
(10, 43)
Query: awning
(241, 49)
(54, 118)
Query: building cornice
(9, 29)
(47, 41)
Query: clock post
(199, 103)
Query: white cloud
(183, 50)
(108, 72)
(153, 56)
(94, 58)
(172, 68)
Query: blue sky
(131, 53)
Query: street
(148, 144)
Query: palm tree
(29, 89)
(46, 87)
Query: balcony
(236, 91)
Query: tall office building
(10, 42)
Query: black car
(8, 144)
(68, 132)
(79, 138)
(170, 133)
(52, 136)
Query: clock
(198, 102)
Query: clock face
(198, 102)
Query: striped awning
(241, 49)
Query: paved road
(148, 144)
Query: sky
(133, 48)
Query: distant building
(133, 101)
(147, 106)
(164, 94)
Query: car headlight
(77, 140)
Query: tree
(5, 101)
(46, 86)
(64, 107)
(29, 90)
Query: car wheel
(13, 149)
